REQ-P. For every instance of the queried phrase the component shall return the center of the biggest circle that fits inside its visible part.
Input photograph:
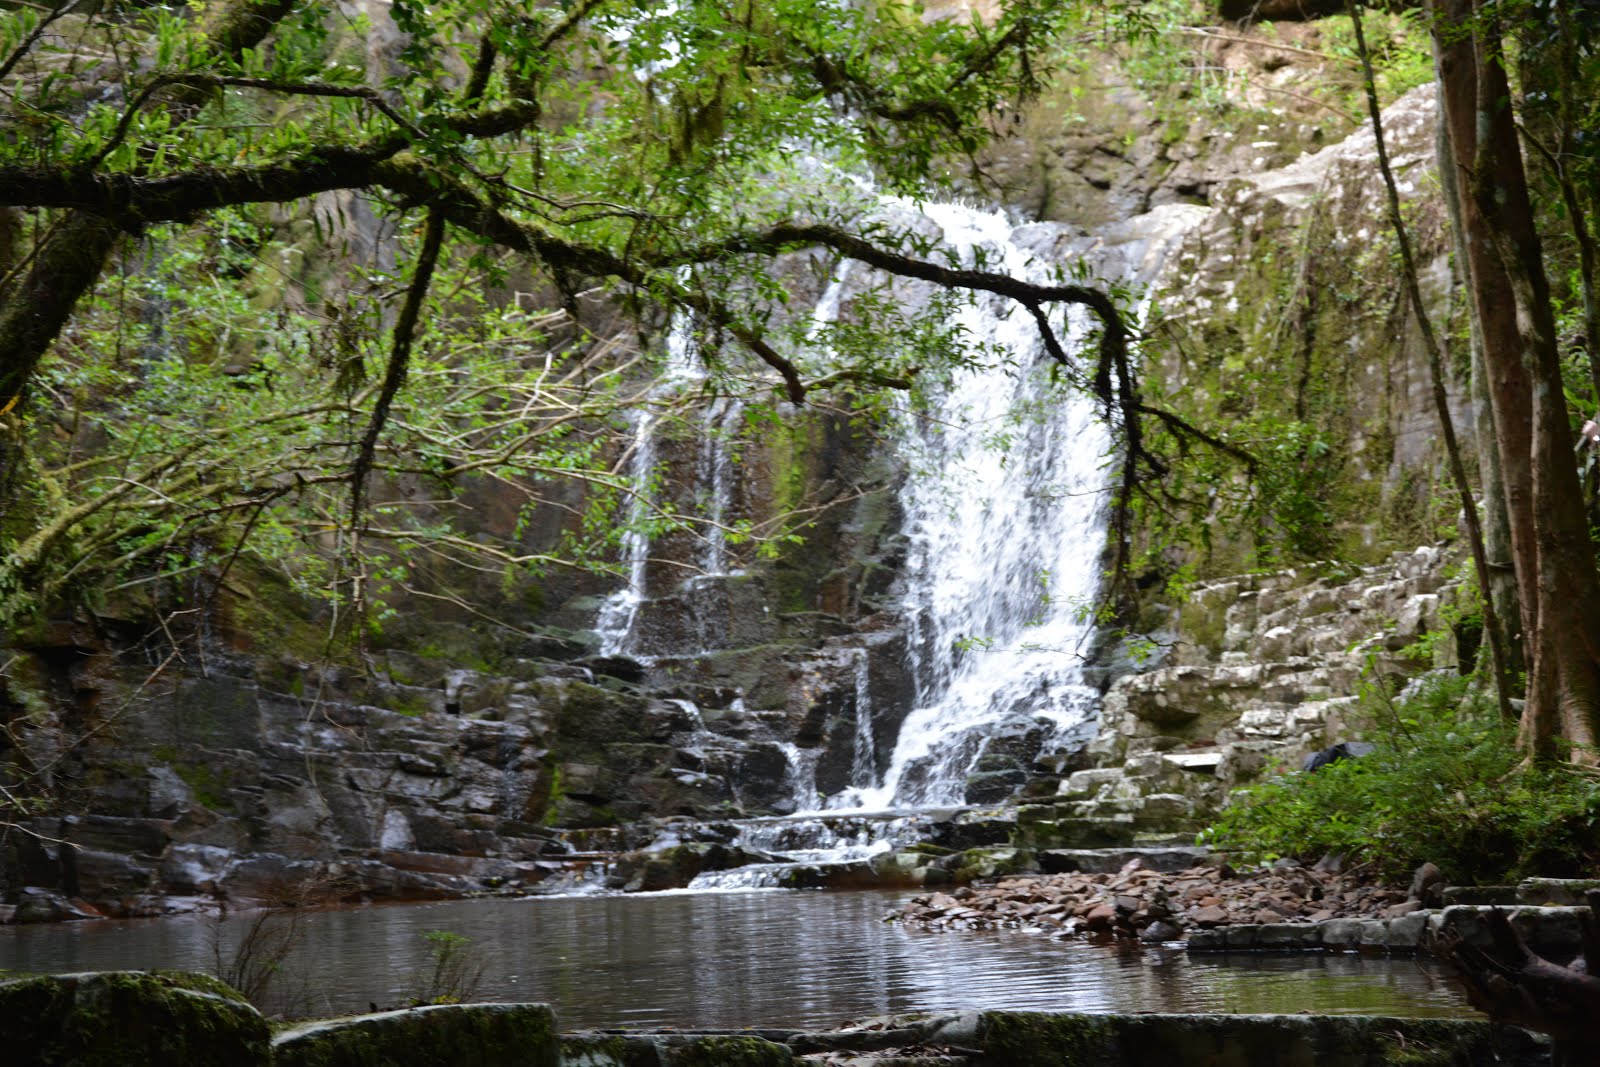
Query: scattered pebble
(1150, 905)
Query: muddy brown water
(713, 960)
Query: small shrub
(253, 955)
(1446, 784)
(455, 973)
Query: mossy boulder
(116, 1018)
(1051, 1040)
(485, 1035)
(977, 863)
(725, 1050)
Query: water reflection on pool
(800, 959)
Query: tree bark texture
(1496, 519)
(1552, 554)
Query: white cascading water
(615, 621)
(1004, 511)
(1004, 508)
(720, 421)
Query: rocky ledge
(1284, 908)
(128, 1017)
(1152, 905)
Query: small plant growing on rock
(455, 971)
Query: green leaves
(636, 153)
(1446, 785)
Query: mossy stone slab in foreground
(673, 1050)
(117, 1018)
(1049, 1040)
(484, 1035)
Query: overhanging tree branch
(69, 265)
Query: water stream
(736, 959)
(1005, 518)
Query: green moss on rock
(485, 1035)
(1041, 1040)
(730, 1050)
(117, 1018)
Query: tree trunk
(1441, 400)
(1552, 554)
(1502, 589)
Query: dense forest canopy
(201, 264)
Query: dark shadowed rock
(35, 905)
(626, 668)
(1327, 1041)
(1278, 10)
(485, 1035)
(120, 1018)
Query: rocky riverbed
(1152, 905)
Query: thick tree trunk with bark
(1553, 557)
(1496, 519)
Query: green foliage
(1298, 467)
(454, 972)
(203, 429)
(197, 418)
(1446, 785)
(1401, 50)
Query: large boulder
(485, 1035)
(117, 1018)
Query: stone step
(1548, 931)
(1557, 891)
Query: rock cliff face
(1261, 671)
(459, 759)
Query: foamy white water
(1005, 514)
(1004, 510)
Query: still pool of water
(777, 958)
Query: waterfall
(1004, 507)
(800, 774)
(720, 420)
(615, 621)
(863, 761)
(1005, 511)
(719, 426)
